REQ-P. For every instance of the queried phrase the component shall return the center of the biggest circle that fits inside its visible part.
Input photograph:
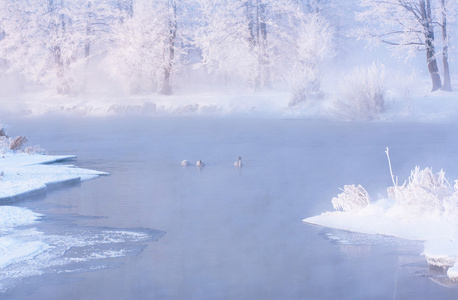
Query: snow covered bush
(363, 92)
(450, 203)
(424, 192)
(303, 85)
(406, 83)
(16, 144)
(34, 150)
(352, 199)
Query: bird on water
(238, 163)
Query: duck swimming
(185, 163)
(238, 163)
(200, 164)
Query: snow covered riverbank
(27, 248)
(24, 174)
(425, 208)
(421, 106)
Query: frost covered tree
(171, 28)
(405, 26)
(316, 6)
(248, 40)
(97, 18)
(257, 18)
(146, 45)
(225, 40)
(313, 47)
(43, 40)
(125, 9)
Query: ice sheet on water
(14, 250)
(24, 173)
(343, 237)
(11, 216)
(30, 251)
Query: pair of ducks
(201, 164)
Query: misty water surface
(236, 233)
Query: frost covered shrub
(450, 203)
(406, 84)
(304, 86)
(34, 150)
(363, 92)
(426, 192)
(352, 199)
(17, 143)
(4, 143)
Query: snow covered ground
(24, 174)
(420, 105)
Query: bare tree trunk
(447, 82)
(425, 8)
(166, 88)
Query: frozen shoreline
(26, 174)
(422, 106)
(22, 247)
(429, 216)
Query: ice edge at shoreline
(28, 175)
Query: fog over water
(233, 233)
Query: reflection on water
(233, 233)
(358, 245)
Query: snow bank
(418, 105)
(200, 100)
(424, 208)
(24, 174)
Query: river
(222, 232)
